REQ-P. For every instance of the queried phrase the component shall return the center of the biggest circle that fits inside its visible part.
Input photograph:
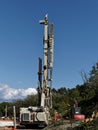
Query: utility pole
(14, 113)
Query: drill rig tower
(41, 114)
(45, 91)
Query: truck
(40, 115)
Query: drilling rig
(40, 114)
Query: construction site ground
(64, 125)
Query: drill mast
(38, 115)
(44, 90)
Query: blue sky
(21, 40)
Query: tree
(93, 79)
(90, 86)
(62, 90)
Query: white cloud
(8, 93)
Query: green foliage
(86, 95)
(59, 102)
(31, 100)
(3, 107)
